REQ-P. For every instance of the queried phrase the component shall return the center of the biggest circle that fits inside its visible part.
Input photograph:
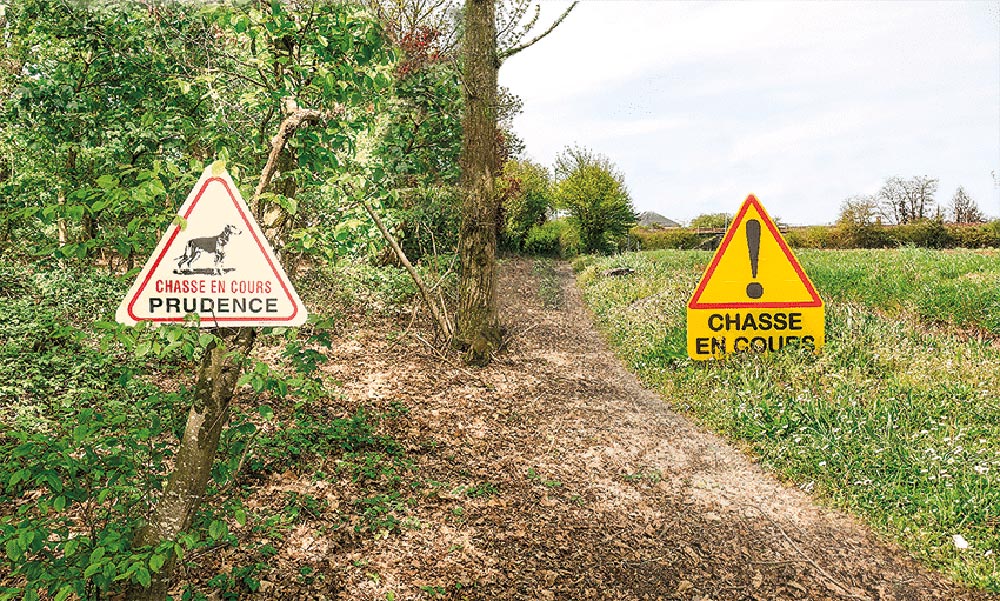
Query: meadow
(897, 420)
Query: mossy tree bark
(478, 324)
(218, 373)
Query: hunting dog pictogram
(215, 245)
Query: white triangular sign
(213, 262)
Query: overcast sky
(803, 104)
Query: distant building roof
(651, 219)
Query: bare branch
(439, 312)
(512, 51)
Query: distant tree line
(901, 201)
(904, 212)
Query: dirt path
(587, 486)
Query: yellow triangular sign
(754, 268)
(213, 262)
(754, 295)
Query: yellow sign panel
(754, 296)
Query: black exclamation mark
(754, 289)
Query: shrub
(556, 238)
(583, 262)
(975, 236)
(679, 238)
(924, 234)
(525, 192)
(863, 236)
(928, 233)
(594, 193)
(569, 243)
(429, 218)
(543, 239)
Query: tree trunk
(478, 327)
(217, 375)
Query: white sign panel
(213, 262)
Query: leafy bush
(89, 434)
(819, 236)
(929, 233)
(583, 262)
(544, 239)
(525, 192)
(847, 235)
(569, 242)
(429, 218)
(555, 238)
(680, 238)
(593, 191)
(975, 236)
(86, 441)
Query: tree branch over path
(438, 312)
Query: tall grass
(960, 287)
(896, 421)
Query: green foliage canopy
(525, 190)
(593, 192)
(712, 220)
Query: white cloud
(805, 104)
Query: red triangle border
(251, 229)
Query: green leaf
(13, 550)
(59, 503)
(180, 222)
(266, 412)
(142, 349)
(63, 593)
(143, 577)
(156, 562)
(204, 339)
(289, 204)
(97, 554)
(241, 517)
(16, 477)
(107, 181)
(217, 529)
